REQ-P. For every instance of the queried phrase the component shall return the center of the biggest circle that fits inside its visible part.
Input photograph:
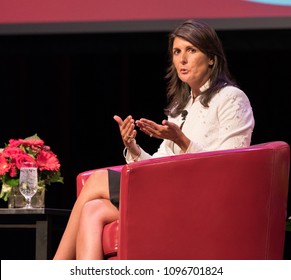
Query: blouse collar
(203, 88)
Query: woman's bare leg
(95, 187)
(95, 215)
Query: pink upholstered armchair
(228, 204)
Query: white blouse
(227, 123)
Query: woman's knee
(98, 175)
(93, 210)
(96, 185)
(98, 211)
(92, 207)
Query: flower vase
(17, 200)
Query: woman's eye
(191, 50)
(175, 52)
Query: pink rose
(4, 165)
(20, 159)
(13, 171)
(47, 160)
(32, 142)
(26, 142)
(11, 152)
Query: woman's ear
(211, 61)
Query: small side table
(45, 221)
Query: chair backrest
(227, 204)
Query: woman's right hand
(127, 131)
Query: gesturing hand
(127, 130)
(166, 130)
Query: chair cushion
(110, 240)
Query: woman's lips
(183, 71)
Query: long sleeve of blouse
(227, 123)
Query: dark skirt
(114, 186)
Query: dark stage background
(67, 87)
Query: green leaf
(13, 182)
(35, 136)
(57, 178)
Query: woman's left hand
(166, 130)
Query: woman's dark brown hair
(203, 37)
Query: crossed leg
(95, 215)
(91, 211)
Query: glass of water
(28, 183)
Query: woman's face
(191, 64)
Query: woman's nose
(183, 58)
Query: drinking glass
(28, 183)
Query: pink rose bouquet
(31, 149)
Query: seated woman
(206, 111)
